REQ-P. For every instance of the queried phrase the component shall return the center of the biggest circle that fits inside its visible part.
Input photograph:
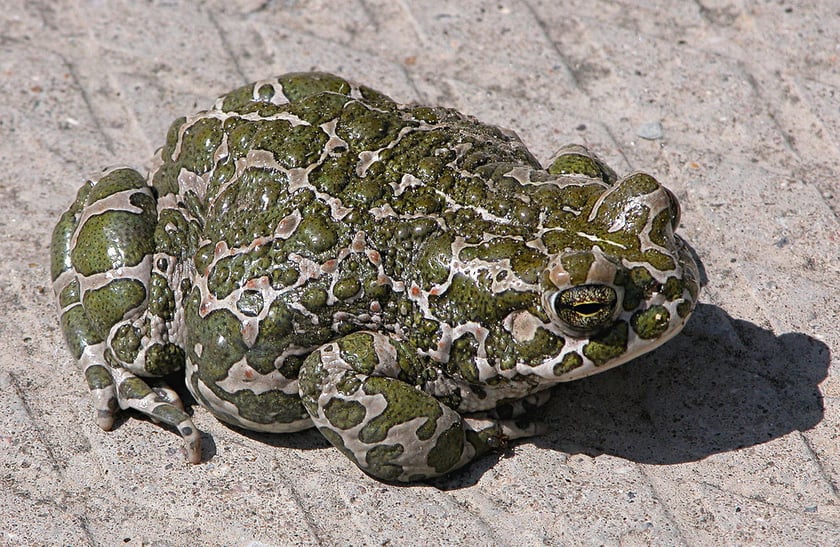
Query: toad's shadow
(721, 385)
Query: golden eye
(586, 308)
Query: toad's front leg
(103, 257)
(368, 394)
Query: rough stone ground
(730, 434)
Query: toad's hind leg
(103, 258)
(365, 393)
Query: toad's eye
(586, 308)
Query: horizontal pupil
(588, 308)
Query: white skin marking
(522, 325)
(288, 225)
(597, 239)
(242, 376)
(334, 140)
(383, 211)
(277, 99)
(407, 181)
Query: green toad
(404, 278)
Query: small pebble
(650, 131)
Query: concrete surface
(730, 434)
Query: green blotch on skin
(220, 337)
(199, 143)
(333, 175)
(579, 163)
(284, 277)
(310, 381)
(69, 294)
(375, 97)
(319, 109)
(300, 85)
(133, 388)
(60, 244)
(240, 140)
(161, 298)
(347, 288)
(181, 239)
(170, 184)
(163, 359)
(417, 201)
(673, 289)
(98, 377)
(220, 282)
(403, 403)
(238, 99)
(578, 264)
(204, 257)
(639, 184)
(276, 334)
(250, 303)
(659, 260)
(358, 351)
(466, 298)
(638, 284)
(661, 231)
(446, 453)
(485, 440)
(266, 408)
(126, 343)
(115, 238)
(528, 264)
(570, 362)
(607, 346)
(379, 460)
(169, 414)
(366, 129)
(429, 169)
(544, 344)
(117, 180)
(314, 299)
(292, 146)
(78, 331)
(434, 259)
(462, 358)
(107, 305)
(684, 308)
(315, 234)
(651, 323)
(349, 384)
(363, 192)
(344, 414)
(233, 272)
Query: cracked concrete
(729, 434)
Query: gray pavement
(729, 434)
